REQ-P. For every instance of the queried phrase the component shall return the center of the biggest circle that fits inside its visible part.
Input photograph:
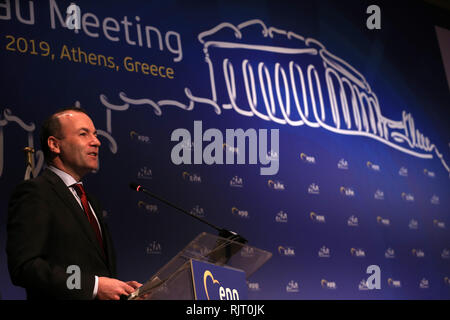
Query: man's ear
(53, 144)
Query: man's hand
(134, 284)
(112, 289)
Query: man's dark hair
(52, 127)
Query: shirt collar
(65, 177)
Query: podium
(208, 268)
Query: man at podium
(58, 245)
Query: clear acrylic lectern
(174, 280)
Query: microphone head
(135, 186)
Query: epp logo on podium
(212, 282)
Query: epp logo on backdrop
(383, 221)
(191, 177)
(418, 253)
(254, 286)
(329, 285)
(224, 293)
(347, 191)
(407, 197)
(276, 185)
(152, 208)
(317, 218)
(308, 159)
(230, 149)
(439, 224)
(136, 136)
(212, 282)
(358, 252)
(394, 283)
(240, 213)
(447, 281)
(428, 173)
(286, 251)
(373, 166)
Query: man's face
(78, 145)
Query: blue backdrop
(362, 116)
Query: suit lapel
(69, 200)
(106, 240)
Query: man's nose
(95, 142)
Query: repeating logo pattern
(324, 205)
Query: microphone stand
(224, 233)
(224, 249)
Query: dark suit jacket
(48, 231)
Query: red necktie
(84, 201)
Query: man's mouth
(93, 154)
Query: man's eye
(82, 133)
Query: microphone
(224, 233)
